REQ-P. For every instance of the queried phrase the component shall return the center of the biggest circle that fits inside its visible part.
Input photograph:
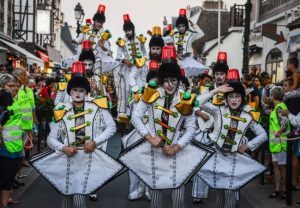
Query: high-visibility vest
(12, 130)
(26, 103)
(277, 144)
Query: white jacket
(101, 128)
(176, 137)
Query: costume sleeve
(138, 116)
(107, 123)
(80, 38)
(295, 120)
(292, 94)
(261, 136)
(190, 129)
(284, 120)
(60, 96)
(133, 76)
(144, 51)
(119, 54)
(56, 133)
(198, 32)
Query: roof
(66, 37)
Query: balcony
(271, 8)
(237, 16)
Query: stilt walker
(100, 39)
(131, 54)
(183, 39)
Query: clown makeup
(78, 94)
(170, 85)
(234, 100)
(220, 77)
(181, 28)
(98, 25)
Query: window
(274, 65)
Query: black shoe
(93, 197)
(197, 201)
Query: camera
(6, 100)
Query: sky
(143, 13)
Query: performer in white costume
(205, 121)
(230, 167)
(136, 187)
(183, 40)
(131, 54)
(167, 159)
(79, 164)
(100, 39)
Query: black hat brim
(78, 82)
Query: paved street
(40, 194)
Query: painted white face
(234, 100)
(181, 28)
(170, 85)
(78, 94)
(220, 77)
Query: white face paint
(78, 94)
(181, 28)
(234, 100)
(170, 85)
(220, 77)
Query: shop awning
(31, 59)
(255, 60)
(2, 49)
(43, 56)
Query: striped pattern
(74, 201)
(226, 199)
(177, 198)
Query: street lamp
(79, 15)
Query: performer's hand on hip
(70, 151)
(90, 147)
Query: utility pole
(248, 7)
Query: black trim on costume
(210, 151)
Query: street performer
(100, 39)
(167, 159)
(131, 53)
(187, 33)
(79, 134)
(231, 121)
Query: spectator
(11, 143)
(279, 128)
(251, 91)
(292, 68)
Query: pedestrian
(11, 143)
(278, 130)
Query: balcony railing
(270, 8)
